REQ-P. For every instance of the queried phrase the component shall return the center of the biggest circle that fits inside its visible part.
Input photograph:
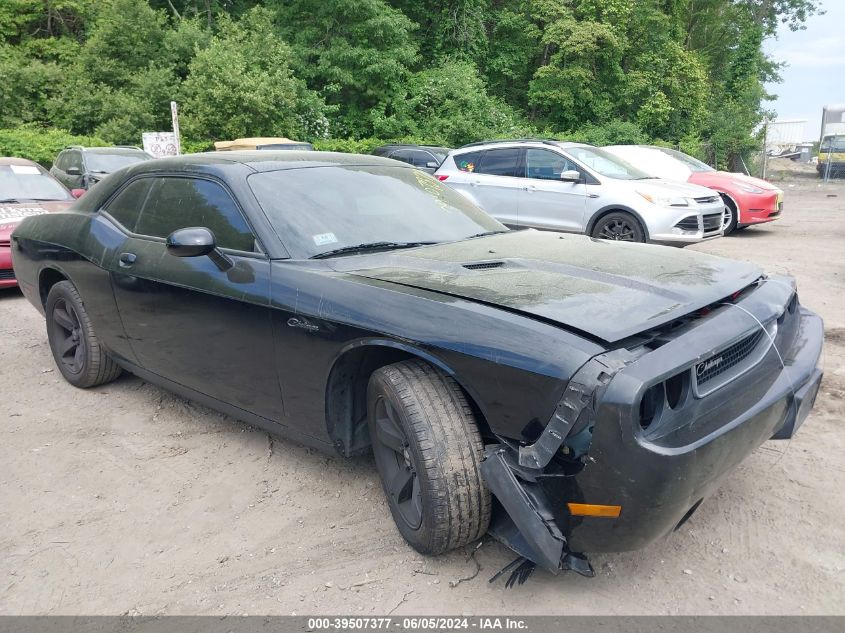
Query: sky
(815, 74)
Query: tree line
(684, 72)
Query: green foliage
(612, 133)
(690, 74)
(355, 53)
(449, 105)
(242, 84)
(40, 144)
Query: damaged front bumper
(595, 449)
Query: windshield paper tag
(324, 238)
(18, 213)
(25, 170)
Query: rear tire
(428, 449)
(619, 226)
(76, 348)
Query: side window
(404, 155)
(500, 162)
(422, 158)
(59, 163)
(126, 206)
(74, 159)
(545, 165)
(177, 203)
(469, 161)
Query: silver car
(579, 188)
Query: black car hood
(610, 290)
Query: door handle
(127, 259)
(475, 183)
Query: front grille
(689, 223)
(5, 275)
(728, 358)
(483, 265)
(707, 199)
(712, 222)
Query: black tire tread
(451, 449)
(100, 366)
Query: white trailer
(833, 120)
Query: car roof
(412, 146)
(264, 160)
(110, 150)
(527, 142)
(13, 160)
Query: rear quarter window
(126, 206)
(468, 161)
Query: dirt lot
(127, 499)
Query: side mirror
(73, 171)
(77, 193)
(570, 175)
(431, 165)
(196, 241)
(190, 242)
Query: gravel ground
(127, 499)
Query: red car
(748, 200)
(26, 189)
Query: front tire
(76, 348)
(619, 226)
(731, 217)
(428, 449)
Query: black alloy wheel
(67, 331)
(76, 348)
(397, 465)
(618, 226)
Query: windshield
(321, 209)
(606, 163)
(108, 163)
(28, 182)
(832, 144)
(693, 164)
(440, 153)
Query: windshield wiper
(486, 233)
(12, 200)
(370, 246)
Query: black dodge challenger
(568, 395)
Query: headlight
(661, 201)
(747, 188)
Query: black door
(186, 319)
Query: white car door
(495, 183)
(547, 201)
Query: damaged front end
(516, 474)
(645, 432)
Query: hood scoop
(483, 265)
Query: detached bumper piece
(527, 526)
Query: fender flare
(413, 350)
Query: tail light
(442, 177)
